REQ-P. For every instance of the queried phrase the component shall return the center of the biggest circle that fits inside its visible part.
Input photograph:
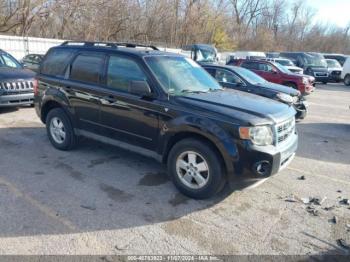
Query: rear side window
(121, 71)
(56, 62)
(250, 65)
(87, 68)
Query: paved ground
(104, 200)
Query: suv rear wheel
(347, 80)
(59, 130)
(196, 169)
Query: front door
(124, 116)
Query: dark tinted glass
(56, 62)
(121, 71)
(250, 65)
(87, 68)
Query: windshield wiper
(193, 91)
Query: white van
(346, 72)
(250, 55)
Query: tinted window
(56, 62)
(250, 65)
(226, 77)
(87, 68)
(211, 71)
(264, 67)
(121, 71)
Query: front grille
(285, 130)
(320, 74)
(14, 87)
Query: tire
(347, 80)
(187, 178)
(56, 121)
(292, 85)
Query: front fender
(198, 126)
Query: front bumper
(275, 158)
(9, 100)
(301, 107)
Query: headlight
(305, 80)
(285, 98)
(259, 135)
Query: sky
(331, 11)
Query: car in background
(287, 63)
(242, 79)
(252, 55)
(16, 83)
(201, 53)
(339, 57)
(313, 64)
(345, 75)
(278, 74)
(334, 70)
(32, 61)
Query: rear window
(56, 62)
(87, 68)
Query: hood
(280, 88)
(318, 68)
(238, 107)
(335, 69)
(294, 67)
(7, 73)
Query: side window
(250, 65)
(226, 77)
(265, 67)
(56, 62)
(121, 71)
(87, 68)
(210, 71)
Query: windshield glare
(249, 76)
(313, 60)
(7, 60)
(205, 55)
(333, 63)
(179, 75)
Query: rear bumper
(16, 99)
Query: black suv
(16, 83)
(166, 105)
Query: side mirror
(140, 88)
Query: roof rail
(107, 44)
(89, 44)
(134, 45)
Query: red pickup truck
(278, 74)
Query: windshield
(284, 62)
(281, 68)
(179, 75)
(206, 55)
(333, 63)
(249, 76)
(7, 60)
(315, 60)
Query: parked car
(32, 61)
(346, 72)
(313, 64)
(287, 63)
(16, 83)
(334, 70)
(275, 73)
(339, 57)
(168, 106)
(242, 79)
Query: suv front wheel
(59, 130)
(347, 80)
(196, 169)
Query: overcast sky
(332, 11)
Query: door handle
(110, 99)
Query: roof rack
(107, 44)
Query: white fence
(21, 46)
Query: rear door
(83, 88)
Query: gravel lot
(100, 199)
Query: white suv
(346, 72)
